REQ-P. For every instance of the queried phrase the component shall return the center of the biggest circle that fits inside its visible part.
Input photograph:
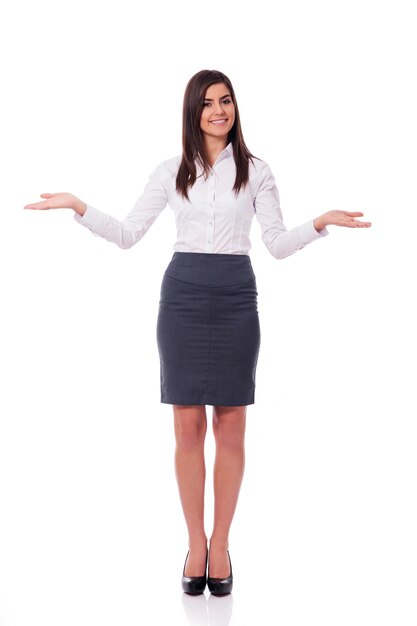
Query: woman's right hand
(59, 201)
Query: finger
(351, 224)
(39, 205)
(36, 205)
(354, 213)
(354, 224)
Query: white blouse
(215, 220)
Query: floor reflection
(208, 610)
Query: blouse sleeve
(125, 233)
(280, 241)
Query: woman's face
(218, 105)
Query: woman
(208, 331)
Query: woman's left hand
(340, 218)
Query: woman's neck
(213, 147)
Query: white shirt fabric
(215, 220)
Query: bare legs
(229, 424)
(190, 424)
(229, 431)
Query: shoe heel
(221, 586)
(194, 585)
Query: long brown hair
(192, 136)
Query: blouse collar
(226, 152)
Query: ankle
(197, 542)
(221, 543)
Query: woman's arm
(281, 241)
(126, 232)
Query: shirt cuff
(90, 218)
(309, 233)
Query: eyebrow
(226, 96)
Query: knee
(229, 427)
(190, 435)
(190, 429)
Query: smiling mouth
(221, 122)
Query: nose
(219, 110)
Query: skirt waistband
(210, 269)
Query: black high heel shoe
(221, 586)
(194, 584)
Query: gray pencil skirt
(208, 331)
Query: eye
(226, 101)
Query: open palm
(62, 200)
(345, 218)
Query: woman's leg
(229, 423)
(190, 424)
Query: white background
(91, 528)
